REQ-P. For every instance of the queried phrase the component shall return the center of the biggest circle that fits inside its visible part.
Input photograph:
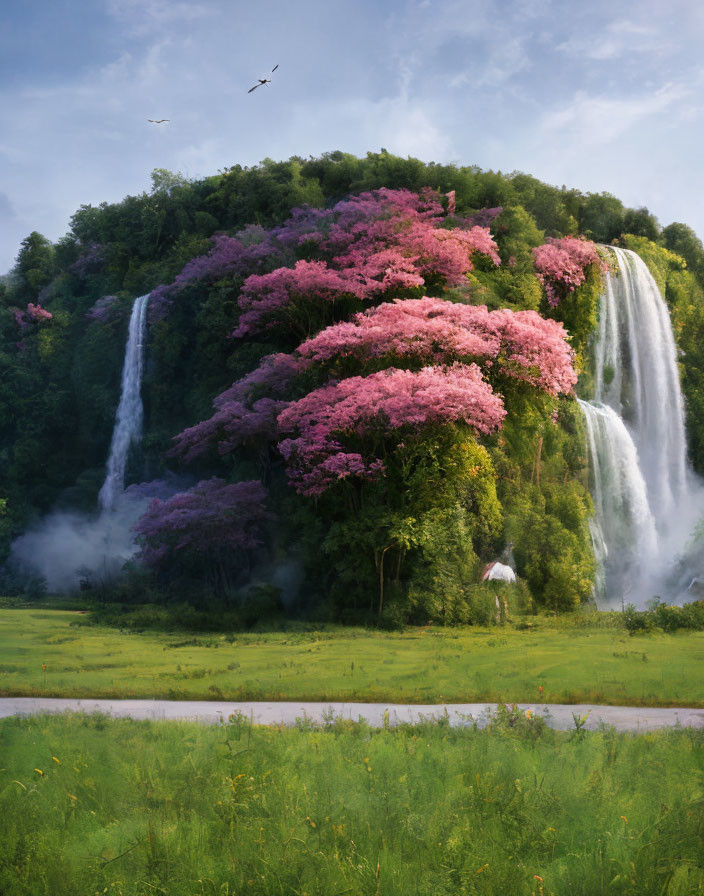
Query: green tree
(34, 267)
(601, 217)
(640, 222)
(683, 240)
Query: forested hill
(254, 266)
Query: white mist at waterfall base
(646, 498)
(68, 547)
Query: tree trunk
(398, 565)
(381, 579)
(537, 460)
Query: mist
(67, 548)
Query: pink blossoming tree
(37, 314)
(561, 265)
(295, 297)
(341, 430)
(522, 345)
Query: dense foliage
(420, 435)
(664, 617)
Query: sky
(600, 96)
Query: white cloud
(619, 39)
(141, 17)
(403, 126)
(408, 130)
(509, 59)
(598, 120)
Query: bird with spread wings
(158, 120)
(264, 80)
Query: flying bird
(264, 80)
(158, 120)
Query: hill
(369, 449)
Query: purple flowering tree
(211, 530)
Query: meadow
(575, 660)
(91, 805)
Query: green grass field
(96, 806)
(574, 662)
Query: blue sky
(598, 96)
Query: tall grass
(92, 806)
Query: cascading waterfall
(636, 349)
(623, 531)
(129, 416)
(68, 549)
(636, 433)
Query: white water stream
(130, 413)
(643, 491)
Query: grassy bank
(93, 806)
(573, 661)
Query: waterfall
(128, 419)
(636, 349)
(636, 434)
(69, 549)
(623, 532)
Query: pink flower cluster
(37, 313)
(364, 246)
(375, 244)
(428, 250)
(307, 283)
(273, 376)
(561, 264)
(366, 408)
(245, 413)
(237, 255)
(524, 345)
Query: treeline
(146, 239)
(59, 374)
